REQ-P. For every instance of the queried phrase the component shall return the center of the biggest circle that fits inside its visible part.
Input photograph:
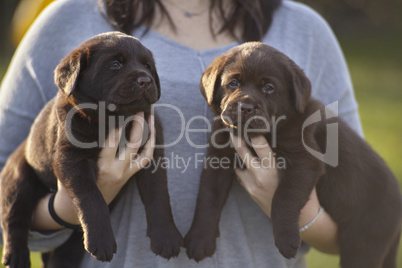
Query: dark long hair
(254, 16)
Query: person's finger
(139, 161)
(247, 181)
(150, 144)
(136, 131)
(132, 145)
(147, 152)
(243, 151)
(263, 150)
(136, 136)
(110, 145)
(241, 175)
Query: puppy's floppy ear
(67, 72)
(211, 79)
(301, 88)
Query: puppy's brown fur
(360, 193)
(114, 70)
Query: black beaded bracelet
(57, 219)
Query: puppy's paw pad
(166, 242)
(102, 254)
(19, 259)
(101, 248)
(288, 246)
(199, 246)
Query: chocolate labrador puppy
(249, 88)
(106, 80)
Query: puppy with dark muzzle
(249, 88)
(114, 70)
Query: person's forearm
(113, 174)
(322, 234)
(261, 183)
(63, 207)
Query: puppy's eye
(148, 66)
(234, 84)
(268, 88)
(115, 65)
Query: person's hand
(115, 170)
(260, 179)
(113, 173)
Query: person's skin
(258, 181)
(113, 174)
(261, 180)
(195, 32)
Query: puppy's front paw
(166, 242)
(17, 259)
(200, 244)
(101, 245)
(288, 242)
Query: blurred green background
(370, 33)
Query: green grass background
(375, 63)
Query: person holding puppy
(184, 36)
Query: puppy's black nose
(246, 108)
(144, 82)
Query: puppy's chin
(128, 104)
(257, 123)
(129, 93)
(237, 120)
(128, 109)
(133, 99)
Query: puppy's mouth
(140, 92)
(131, 107)
(245, 116)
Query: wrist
(310, 223)
(322, 234)
(308, 213)
(62, 222)
(63, 207)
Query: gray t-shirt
(246, 238)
